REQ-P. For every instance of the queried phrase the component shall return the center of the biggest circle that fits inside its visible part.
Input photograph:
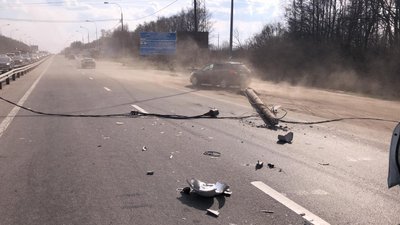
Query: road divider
(10, 117)
(18, 72)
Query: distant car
(6, 63)
(18, 61)
(223, 75)
(26, 59)
(11, 55)
(88, 63)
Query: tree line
(342, 44)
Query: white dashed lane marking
(10, 117)
(139, 109)
(314, 219)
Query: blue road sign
(157, 43)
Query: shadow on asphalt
(201, 203)
(231, 90)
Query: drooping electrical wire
(212, 114)
(56, 21)
(152, 14)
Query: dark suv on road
(223, 75)
(88, 63)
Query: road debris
(208, 189)
(171, 156)
(270, 165)
(266, 115)
(275, 109)
(287, 138)
(119, 123)
(324, 164)
(149, 172)
(144, 148)
(185, 190)
(213, 212)
(213, 154)
(266, 211)
(259, 165)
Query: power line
(82, 21)
(56, 21)
(140, 18)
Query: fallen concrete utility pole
(265, 114)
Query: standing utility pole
(122, 15)
(195, 16)
(230, 38)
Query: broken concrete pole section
(265, 114)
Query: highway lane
(92, 171)
(350, 190)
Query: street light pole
(87, 33)
(231, 33)
(95, 24)
(122, 15)
(195, 16)
(81, 34)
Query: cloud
(249, 17)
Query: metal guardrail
(18, 72)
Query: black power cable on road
(211, 114)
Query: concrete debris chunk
(228, 192)
(213, 212)
(186, 190)
(267, 211)
(270, 165)
(144, 148)
(212, 153)
(259, 165)
(287, 138)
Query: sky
(54, 24)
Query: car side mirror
(394, 158)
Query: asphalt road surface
(62, 170)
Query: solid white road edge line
(107, 89)
(10, 117)
(139, 109)
(289, 203)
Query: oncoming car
(88, 63)
(223, 75)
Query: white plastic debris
(213, 212)
(207, 189)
